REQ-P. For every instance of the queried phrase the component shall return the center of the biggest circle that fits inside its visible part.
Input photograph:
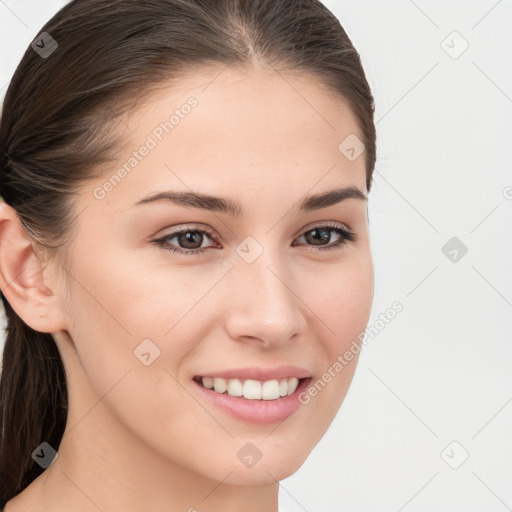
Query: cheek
(112, 308)
(107, 326)
(343, 305)
(343, 302)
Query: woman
(184, 252)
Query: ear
(22, 276)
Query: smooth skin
(142, 437)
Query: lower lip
(256, 411)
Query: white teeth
(283, 387)
(252, 389)
(292, 385)
(270, 390)
(208, 382)
(235, 387)
(220, 385)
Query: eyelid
(324, 224)
(189, 227)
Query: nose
(264, 304)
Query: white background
(441, 370)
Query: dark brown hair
(56, 132)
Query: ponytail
(33, 402)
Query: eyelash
(345, 234)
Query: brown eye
(320, 236)
(189, 241)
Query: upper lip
(262, 374)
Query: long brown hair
(55, 133)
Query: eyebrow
(234, 208)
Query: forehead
(253, 132)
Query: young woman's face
(266, 294)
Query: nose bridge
(265, 304)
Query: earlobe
(22, 276)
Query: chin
(263, 475)
(267, 470)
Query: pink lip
(255, 411)
(262, 374)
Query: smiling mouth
(249, 388)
